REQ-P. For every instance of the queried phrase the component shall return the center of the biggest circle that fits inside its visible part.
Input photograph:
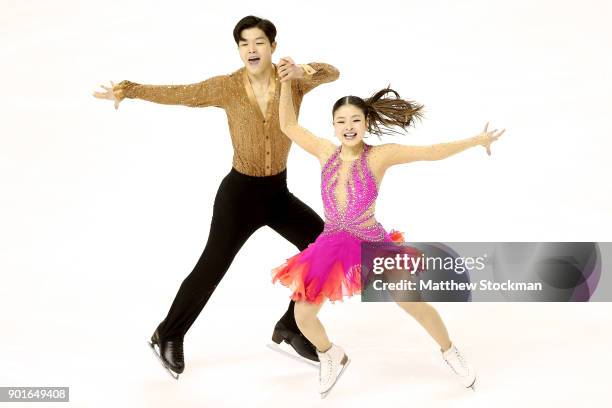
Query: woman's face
(350, 125)
(255, 50)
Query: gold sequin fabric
(260, 148)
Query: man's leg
(224, 241)
(300, 225)
(234, 220)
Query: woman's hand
(287, 70)
(114, 93)
(486, 137)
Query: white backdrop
(103, 212)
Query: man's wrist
(121, 89)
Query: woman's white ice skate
(460, 366)
(333, 362)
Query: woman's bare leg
(431, 321)
(310, 325)
(422, 312)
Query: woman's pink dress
(330, 267)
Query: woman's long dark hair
(384, 113)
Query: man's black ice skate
(300, 349)
(169, 353)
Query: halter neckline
(365, 146)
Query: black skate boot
(169, 353)
(300, 349)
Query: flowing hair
(384, 111)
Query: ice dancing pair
(255, 194)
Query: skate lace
(461, 361)
(328, 368)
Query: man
(255, 192)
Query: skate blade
(473, 386)
(172, 373)
(326, 393)
(293, 356)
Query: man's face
(255, 50)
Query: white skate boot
(333, 362)
(459, 365)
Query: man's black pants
(242, 205)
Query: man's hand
(114, 93)
(288, 70)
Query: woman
(350, 177)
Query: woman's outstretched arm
(314, 145)
(393, 153)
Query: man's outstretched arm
(209, 92)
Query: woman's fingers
(285, 71)
(283, 62)
(286, 77)
(495, 136)
(288, 70)
(287, 67)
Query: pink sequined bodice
(357, 216)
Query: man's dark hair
(251, 21)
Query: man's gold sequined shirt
(260, 148)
